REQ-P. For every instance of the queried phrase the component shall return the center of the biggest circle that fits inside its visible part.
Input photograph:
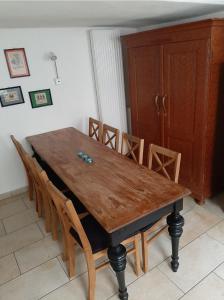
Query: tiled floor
(31, 266)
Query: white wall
(74, 100)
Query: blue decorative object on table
(85, 157)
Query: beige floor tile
(106, 286)
(2, 229)
(20, 220)
(159, 250)
(153, 285)
(41, 225)
(37, 253)
(12, 208)
(217, 232)
(35, 283)
(211, 288)
(197, 259)
(9, 268)
(80, 262)
(215, 205)
(9, 200)
(197, 221)
(189, 204)
(19, 239)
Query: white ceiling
(101, 13)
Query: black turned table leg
(117, 258)
(176, 223)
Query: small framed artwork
(11, 96)
(40, 98)
(17, 62)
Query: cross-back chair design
(164, 159)
(132, 144)
(111, 137)
(96, 129)
(22, 154)
(89, 235)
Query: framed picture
(11, 96)
(40, 98)
(17, 62)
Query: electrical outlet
(58, 81)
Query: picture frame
(17, 62)
(11, 96)
(40, 98)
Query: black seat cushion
(149, 226)
(96, 235)
(79, 207)
(54, 178)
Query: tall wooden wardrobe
(175, 90)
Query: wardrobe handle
(163, 103)
(157, 104)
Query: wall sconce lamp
(54, 58)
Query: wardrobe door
(144, 70)
(185, 81)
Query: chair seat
(96, 235)
(79, 207)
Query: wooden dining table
(122, 196)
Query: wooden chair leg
(47, 216)
(71, 256)
(30, 188)
(54, 224)
(38, 204)
(65, 246)
(137, 256)
(91, 276)
(145, 251)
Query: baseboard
(14, 193)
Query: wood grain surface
(114, 189)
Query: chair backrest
(111, 137)
(22, 153)
(34, 169)
(95, 129)
(68, 215)
(165, 161)
(133, 147)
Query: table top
(114, 189)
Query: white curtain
(108, 73)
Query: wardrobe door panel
(144, 70)
(185, 78)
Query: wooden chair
(22, 154)
(89, 235)
(42, 206)
(131, 145)
(45, 206)
(111, 137)
(95, 129)
(167, 162)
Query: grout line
(217, 274)
(4, 229)
(62, 266)
(17, 263)
(1, 284)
